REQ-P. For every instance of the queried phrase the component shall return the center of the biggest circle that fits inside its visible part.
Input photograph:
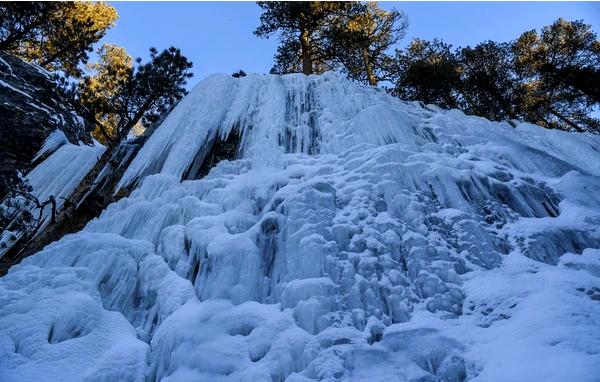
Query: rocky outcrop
(30, 109)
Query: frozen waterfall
(343, 235)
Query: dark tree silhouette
(561, 71)
(428, 71)
(488, 81)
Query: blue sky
(217, 36)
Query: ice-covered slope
(356, 238)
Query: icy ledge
(356, 237)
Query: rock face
(343, 235)
(30, 109)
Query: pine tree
(22, 21)
(549, 78)
(561, 72)
(119, 95)
(428, 71)
(303, 28)
(55, 35)
(362, 39)
(109, 76)
(488, 80)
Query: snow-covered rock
(356, 237)
(31, 109)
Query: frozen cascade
(351, 237)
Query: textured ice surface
(56, 176)
(64, 169)
(356, 237)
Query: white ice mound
(354, 237)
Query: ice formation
(352, 237)
(56, 176)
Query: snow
(356, 237)
(57, 176)
(9, 86)
(63, 170)
(7, 66)
(56, 139)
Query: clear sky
(217, 36)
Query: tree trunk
(541, 117)
(369, 68)
(306, 54)
(565, 120)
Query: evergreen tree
(550, 78)
(488, 81)
(288, 59)
(22, 21)
(561, 72)
(428, 71)
(119, 95)
(303, 28)
(55, 35)
(361, 41)
(109, 76)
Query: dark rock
(220, 149)
(30, 109)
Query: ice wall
(355, 237)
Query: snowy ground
(356, 238)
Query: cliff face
(30, 109)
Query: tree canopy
(362, 41)
(549, 78)
(117, 95)
(303, 31)
(488, 80)
(108, 77)
(319, 36)
(560, 69)
(428, 71)
(55, 35)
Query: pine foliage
(118, 94)
(362, 41)
(551, 78)
(55, 35)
